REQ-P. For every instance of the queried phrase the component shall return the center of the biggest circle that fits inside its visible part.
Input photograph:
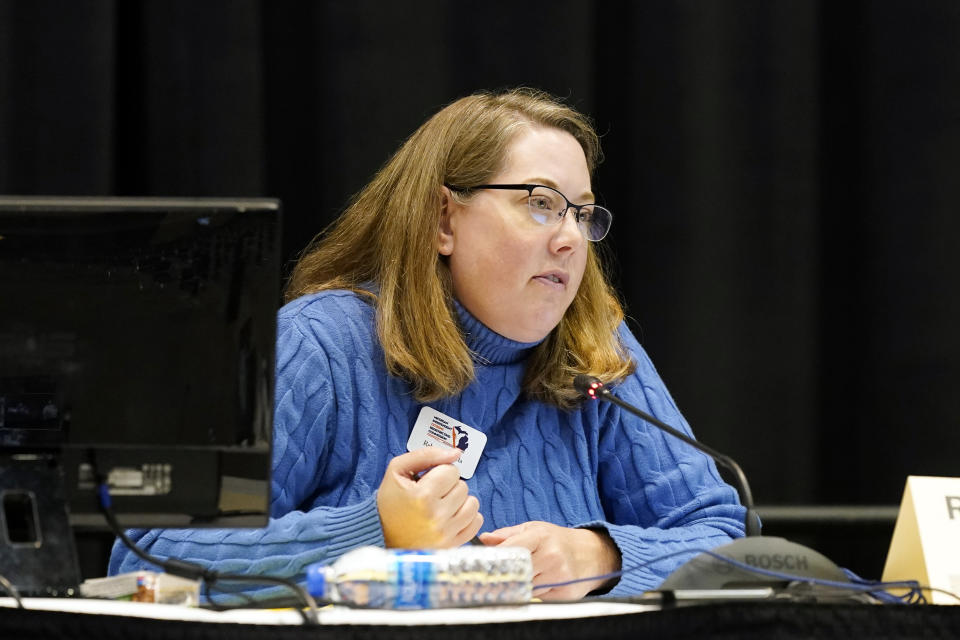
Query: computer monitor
(137, 342)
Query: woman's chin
(532, 332)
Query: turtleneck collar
(488, 346)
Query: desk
(587, 621)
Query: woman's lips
(554, 280)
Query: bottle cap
(317, 580)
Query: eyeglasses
(548, 207)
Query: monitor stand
(37, 550)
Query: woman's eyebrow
(547, 182)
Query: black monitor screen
(137, 340)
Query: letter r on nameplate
(953, 506)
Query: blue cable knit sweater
(340, 417)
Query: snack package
(144, 586)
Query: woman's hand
(433, 510)
(561, 554)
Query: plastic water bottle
(410, 579)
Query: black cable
(953, 595)
(211, 578)
(248, 601)
(193, 571)
(272, 602)
(309, 616)
(12, 590)
(251, 603)
(914, 593)
(914, 589)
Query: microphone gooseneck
(593, 389)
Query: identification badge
(435, 429)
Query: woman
(462, 285)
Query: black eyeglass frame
(529, 189)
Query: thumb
(411, 464)
(499, 535)
(491, 539)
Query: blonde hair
(388, 236)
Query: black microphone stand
(593, 389)
(705, 572)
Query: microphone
(705, 572)
(592, 388)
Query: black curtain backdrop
(782, 175)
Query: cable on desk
(250, 602)
(876, 589)
(195, 571)
(952, 594)
(12, 590)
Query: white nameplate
(435, 429)
(926, 539)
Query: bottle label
(415, 573)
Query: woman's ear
(445, 229)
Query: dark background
(782, 175)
